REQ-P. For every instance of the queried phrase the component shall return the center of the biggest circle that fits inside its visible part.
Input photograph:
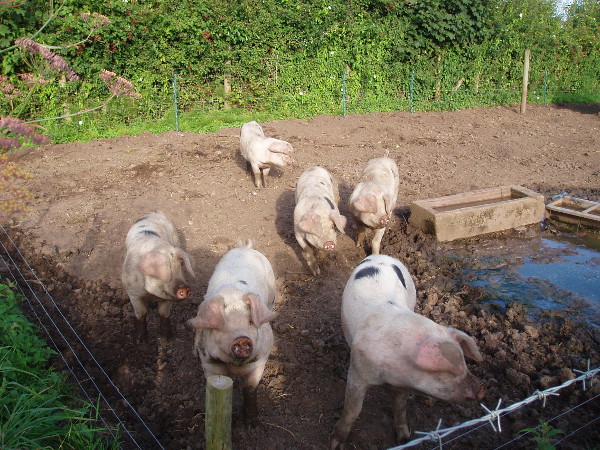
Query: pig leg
(140, 309)
(376, 241)
(265, 174)
(257, 174)
(400, 400)
(361, 229)
(250, 398)
(164, 320)
(309, 255)
(353, 400)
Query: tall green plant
(36, 407)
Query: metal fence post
(344, 93)
(412, 91)
(545, 85)
(175, 102)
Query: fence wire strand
(493, 417)
(23, 280)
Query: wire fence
(120, 417)
(180, 104)
(80, 362)
(493, 416)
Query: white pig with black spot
(316, 215)
(155, 269)
(392, 345)
(233, 335)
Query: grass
(37, 408)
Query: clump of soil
(88, 195)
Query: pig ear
(259, 313)
(210, 314)
(466, 342)
(338, 219)
(186, 260)
(281, 147)
(366, 203)
(156, 265)
(438, 355)
(311, 223)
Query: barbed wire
(494, 415)
(14, 270)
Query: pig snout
(182, 293)
(329, 245)
(384, 220)
(242, 347)
(473, 389)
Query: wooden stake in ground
(525, 83)
(217, 423)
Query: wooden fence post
(525, 83)
(217, 420)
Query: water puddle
(559, 273)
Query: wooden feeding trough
(477, 212)
(575, 210)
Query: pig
(261, 152)
(316, 215)
(232, 330)
(155, 269)
(394, 346)
(373, 200)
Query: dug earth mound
(87, 195)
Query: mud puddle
(551, 274)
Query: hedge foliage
(271, 49)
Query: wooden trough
(477, 212)
(575, 210)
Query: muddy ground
(86, 196)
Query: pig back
(377, 282)
(379, 178)
(315, 181)
(383, 171)
(249, 133)
(153, 225)
(246, 268)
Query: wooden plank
(575, 210)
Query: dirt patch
(88, 195)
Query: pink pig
(373, 199)
(154, 270)
(394, 346)
(316, 215)
(233, 336)
(261, 152)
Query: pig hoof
(166, 334)
(251, 422)
(165, 328)
(141, 332)
(336, 444)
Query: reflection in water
(556, 275)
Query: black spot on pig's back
(399, 274)
(369, 271)
(148, 233)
